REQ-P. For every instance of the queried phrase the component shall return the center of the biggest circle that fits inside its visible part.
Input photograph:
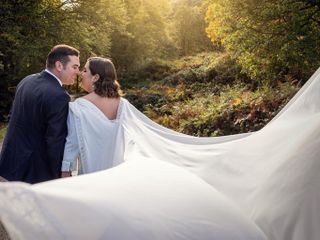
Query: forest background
(201, 67)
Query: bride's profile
(261, 185)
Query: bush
(207, 95)
(219, 68)
(151, 71)
(234, 109)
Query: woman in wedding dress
(93, 120)
(261, 185)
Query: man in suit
(33, 147)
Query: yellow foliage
(236, 101)
(215, 22)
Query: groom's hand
(65, 174)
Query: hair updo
(107, 85)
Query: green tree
(147, 36)
(21, 29)
(190, 27)
(270, 39)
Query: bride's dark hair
(107, 85)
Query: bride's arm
(71, 149)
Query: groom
(33, 148)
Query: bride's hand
(65, 174)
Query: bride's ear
(95, 78)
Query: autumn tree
(190, 27)
(270, 39)
(147, 37)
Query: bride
(93, 120)
(263, 185)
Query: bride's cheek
(82, 85)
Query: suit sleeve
(56, 132)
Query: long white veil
(261, 185)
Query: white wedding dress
(92, 138)
(263, 185)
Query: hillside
(205, 95)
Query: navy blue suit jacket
(33, 147)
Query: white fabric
(174, 186)
(138, 200)
(91, 137)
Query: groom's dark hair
(60, 53)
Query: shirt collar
(54, 76)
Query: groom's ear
(58, 65)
